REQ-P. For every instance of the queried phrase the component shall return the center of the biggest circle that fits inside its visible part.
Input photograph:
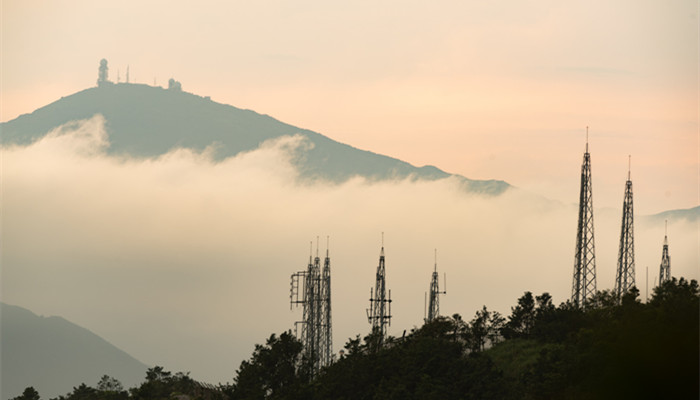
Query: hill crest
(148, 121)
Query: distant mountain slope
(53, 355)
(688, 214)
(148, 121)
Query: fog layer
(185, 262)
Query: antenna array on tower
(312, 289)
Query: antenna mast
(665, 267)
(326, 322)
(434, 303)
(625, 276)
(584, 281)
(311, 289)
(379, 313)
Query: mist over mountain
(53, 355)
(688, 214)
(147, 121)
(196, 210)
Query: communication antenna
(434, 302)
(625, 276)
(665, 267)
(379, 312)
(311, 289)
(584, 280)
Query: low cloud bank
(185, 262)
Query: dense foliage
(612, 348)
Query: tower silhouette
(326, 322)
(584, 281)
(434, 299)
(312, 290)
(665, 268)
(624, 278)
(379, 312)
(103, 72)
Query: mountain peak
(148, 121)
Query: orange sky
(498, 91)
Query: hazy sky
(498, 90)
(184, 262)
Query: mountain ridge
(147, 121)
(52, 354)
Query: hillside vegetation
(612, 349)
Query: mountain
(688, 214)
(53, 355)
(146, 121)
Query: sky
(488, 90)
(480, 89)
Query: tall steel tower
(379, 312)
(312, 290)
(624, 278)
(584, 282)
(434, 302)
(326, 323)
(665, 268)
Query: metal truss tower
(624, 278)
(311, 289)
(584, 282)
(665, 268)
(434, 302)
(326, 322)
(379, 312)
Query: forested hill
(143, 121)
(614, 349)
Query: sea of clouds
(185, 262)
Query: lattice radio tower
(311, 289)
(624, 278)
(326, 322)
(379, 312)
(584, 282)
(434, 302)
(665, 268)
